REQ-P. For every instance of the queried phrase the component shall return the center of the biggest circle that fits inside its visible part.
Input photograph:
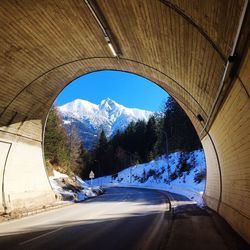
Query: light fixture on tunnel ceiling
(112, 49)
(102, 23)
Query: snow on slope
(108, 112)
(90, 118)
(156, 174)
(72, 189)
(78, 109)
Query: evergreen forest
(140, 142)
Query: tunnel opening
(188, 47)
(91, 143)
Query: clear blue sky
(127, 89)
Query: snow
(59, 175)
(82, 183)
(66, 122)
(108, 115)
(72, 189)
(75, 108)
(156, 175)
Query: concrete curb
(13, 216)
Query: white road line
(40, 236)
(58, 229)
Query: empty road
(122, 218)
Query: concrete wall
(24, 181)
(184, 48)
(4, 150)
(231, 135)
(213, 183)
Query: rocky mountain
(89, 119)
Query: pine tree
(139, 139)
(77, 152)
(99, 153)
(181, 135)
(65, 152)
(151, 137)
(102, 144)
(56, 142)
(121, 158)
(142, 141)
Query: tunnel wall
(24, 182)
(182, 47)
(230, 133)
(226, 149)
(213, 183)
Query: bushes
(150, 173)
(173, 176)
(185, 167)
(114, 176)
(144, 177)
(200, 176)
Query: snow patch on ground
(72, 189)
(160, 174)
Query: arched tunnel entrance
(200, 56)
(140, 123)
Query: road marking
(58, 229)
(40, 236)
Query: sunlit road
(122, 218)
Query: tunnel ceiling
(181, 45)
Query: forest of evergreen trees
(63, 152)
(139, 143)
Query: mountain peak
(79, 102)
(109, 116)
(108, 104)
(108, 101)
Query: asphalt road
(122, 218)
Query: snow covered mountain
(90, 119)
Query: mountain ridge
(89, 118)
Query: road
(122, 218)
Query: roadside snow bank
(181, 173)
(72, 189)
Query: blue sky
(127, 89)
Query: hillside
(182, 173)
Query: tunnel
(198, 51)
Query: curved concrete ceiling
(186, 47)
